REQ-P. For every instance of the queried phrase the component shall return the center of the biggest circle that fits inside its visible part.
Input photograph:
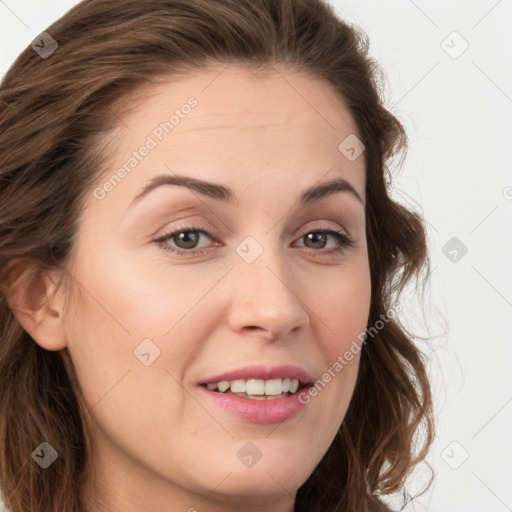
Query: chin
(261, 485)
(271, 478)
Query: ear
(36, 304)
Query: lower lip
(274, 410)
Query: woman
(201, 265)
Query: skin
(159, 444)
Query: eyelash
(344, 240)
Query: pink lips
(275, 410)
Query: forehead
(234, 93)
(240, 126)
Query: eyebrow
(223, 193)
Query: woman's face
(258, 281)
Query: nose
(266, 298)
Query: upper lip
(264, 373)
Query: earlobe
(36, 305)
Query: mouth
(260, 393)
(258, 389)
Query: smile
(257, 389)
(259, 394)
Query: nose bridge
(266, 296)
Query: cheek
(123, 303)
(341, 313)
(144, 298)
(342, 309)
(121, 391)
(99, 346)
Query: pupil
(317, 238)
(187, 241)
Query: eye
(318, 239)
(182, 240)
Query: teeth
(238, 386)
(223, 385)
(255, 387)
(272, 387)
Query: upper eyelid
(192, 225)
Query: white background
(458, 173)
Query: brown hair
(50, 154)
